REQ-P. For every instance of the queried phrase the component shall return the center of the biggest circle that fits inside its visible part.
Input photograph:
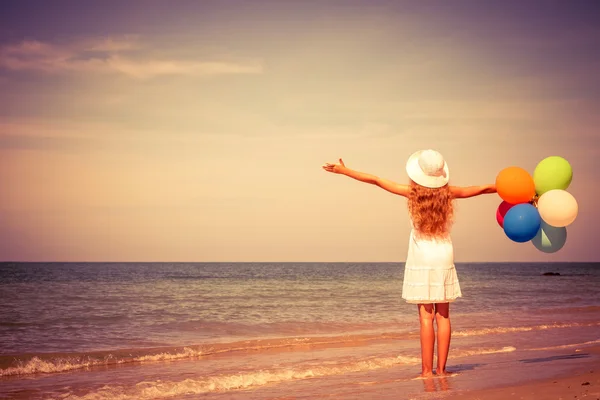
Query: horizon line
(284, 262)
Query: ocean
(280, 330)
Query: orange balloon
(515, 185)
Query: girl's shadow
(464, 367)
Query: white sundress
(429, 273)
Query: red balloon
(501, 212)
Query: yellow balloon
(558, 208)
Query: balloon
(515, 185)
(558, 207)
(501, 212)
(550, 239)
(552, 173)
(522, 222)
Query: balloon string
(534, 201)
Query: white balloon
(558, 208)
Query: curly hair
(431, 210)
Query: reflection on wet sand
(436, 383)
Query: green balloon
(552, 173)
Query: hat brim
(415, 173)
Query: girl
(430, 279)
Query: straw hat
(428, 168)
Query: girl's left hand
(335, 168)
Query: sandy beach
(583, 382)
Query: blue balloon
(522, 223)
(550, 239)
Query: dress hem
(431, 301)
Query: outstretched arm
(393, 187)
(471, 191)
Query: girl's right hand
(335, 168)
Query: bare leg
(427, 338)
(444, 331)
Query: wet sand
(582, 382)
(580, 385)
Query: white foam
(566, 346)
(251, 379)
(477, 352)
(38, 366)
(186, 353)
(487, 331)
(245, 380)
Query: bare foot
(444, 373)
(426, 374)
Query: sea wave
(482, 351)
(23, 365)
(47, 365)
(256, 378)
(567, 346)
(245, 380)
(512, 329)
(53, 363)
(580, 309)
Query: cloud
(48, 128)
(151, 68)
(65, 144)
(123, 56)
(109, 44)
(70, 136)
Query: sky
(196, 130)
